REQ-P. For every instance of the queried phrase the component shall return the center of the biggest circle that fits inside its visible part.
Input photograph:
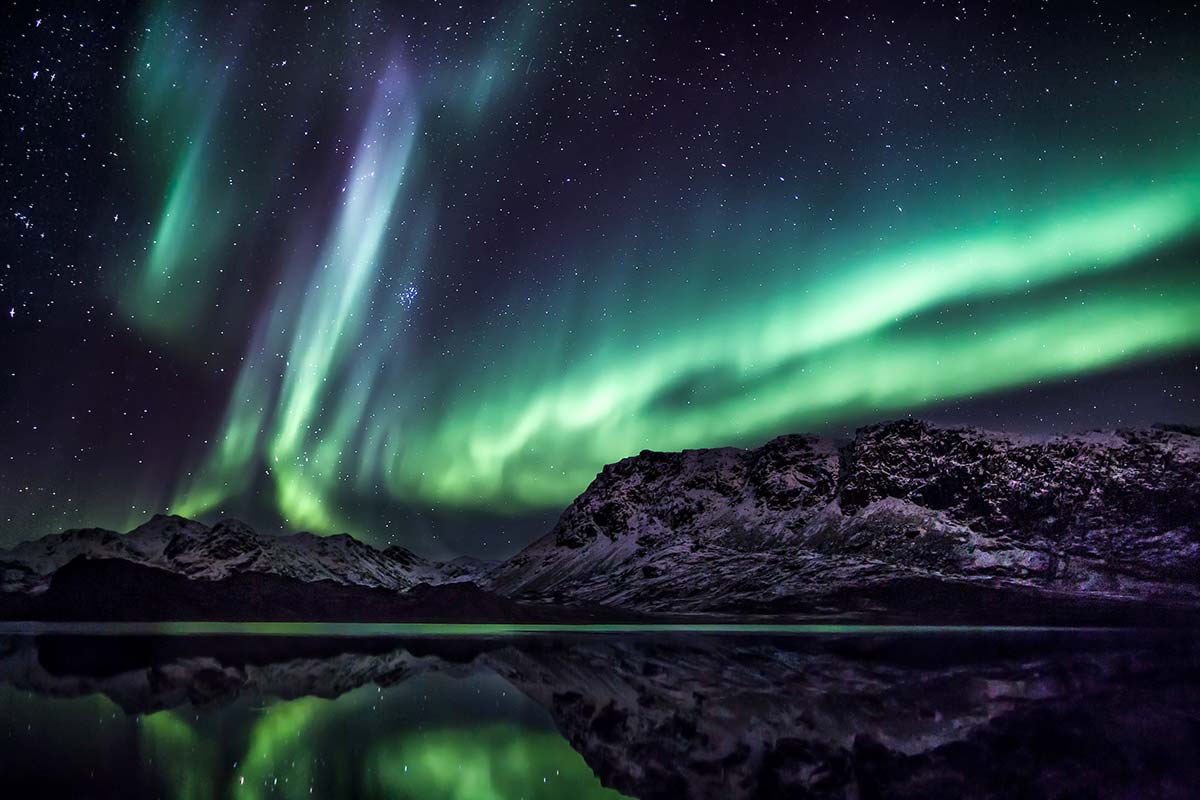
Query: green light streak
(481, 763)
(278, 740)
(174, 282)
(185, 758)
(330, 323)
(334, 306)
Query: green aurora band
(704, 340)
(825, 351)
(190, 236)
(819, 353)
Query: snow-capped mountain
(900, 516)
(199, 552)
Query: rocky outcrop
(908, 515)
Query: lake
(282, 711)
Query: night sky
(416, 271)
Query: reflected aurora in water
(654, 715)
(300, 748)
(497, 760)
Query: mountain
(908, 516)
(906, 520)
(199, 552)
(172, 568)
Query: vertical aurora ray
(300, 421)
(228, 464)
(331, 317)
(174, 280)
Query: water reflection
(639, 715)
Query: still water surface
(280, 711)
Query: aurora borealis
(418, 271)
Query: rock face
(907, 515)
(199, 552)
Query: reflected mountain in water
(982, 714)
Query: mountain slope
(105, 590)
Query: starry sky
(417, 270)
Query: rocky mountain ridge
(907, 512)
